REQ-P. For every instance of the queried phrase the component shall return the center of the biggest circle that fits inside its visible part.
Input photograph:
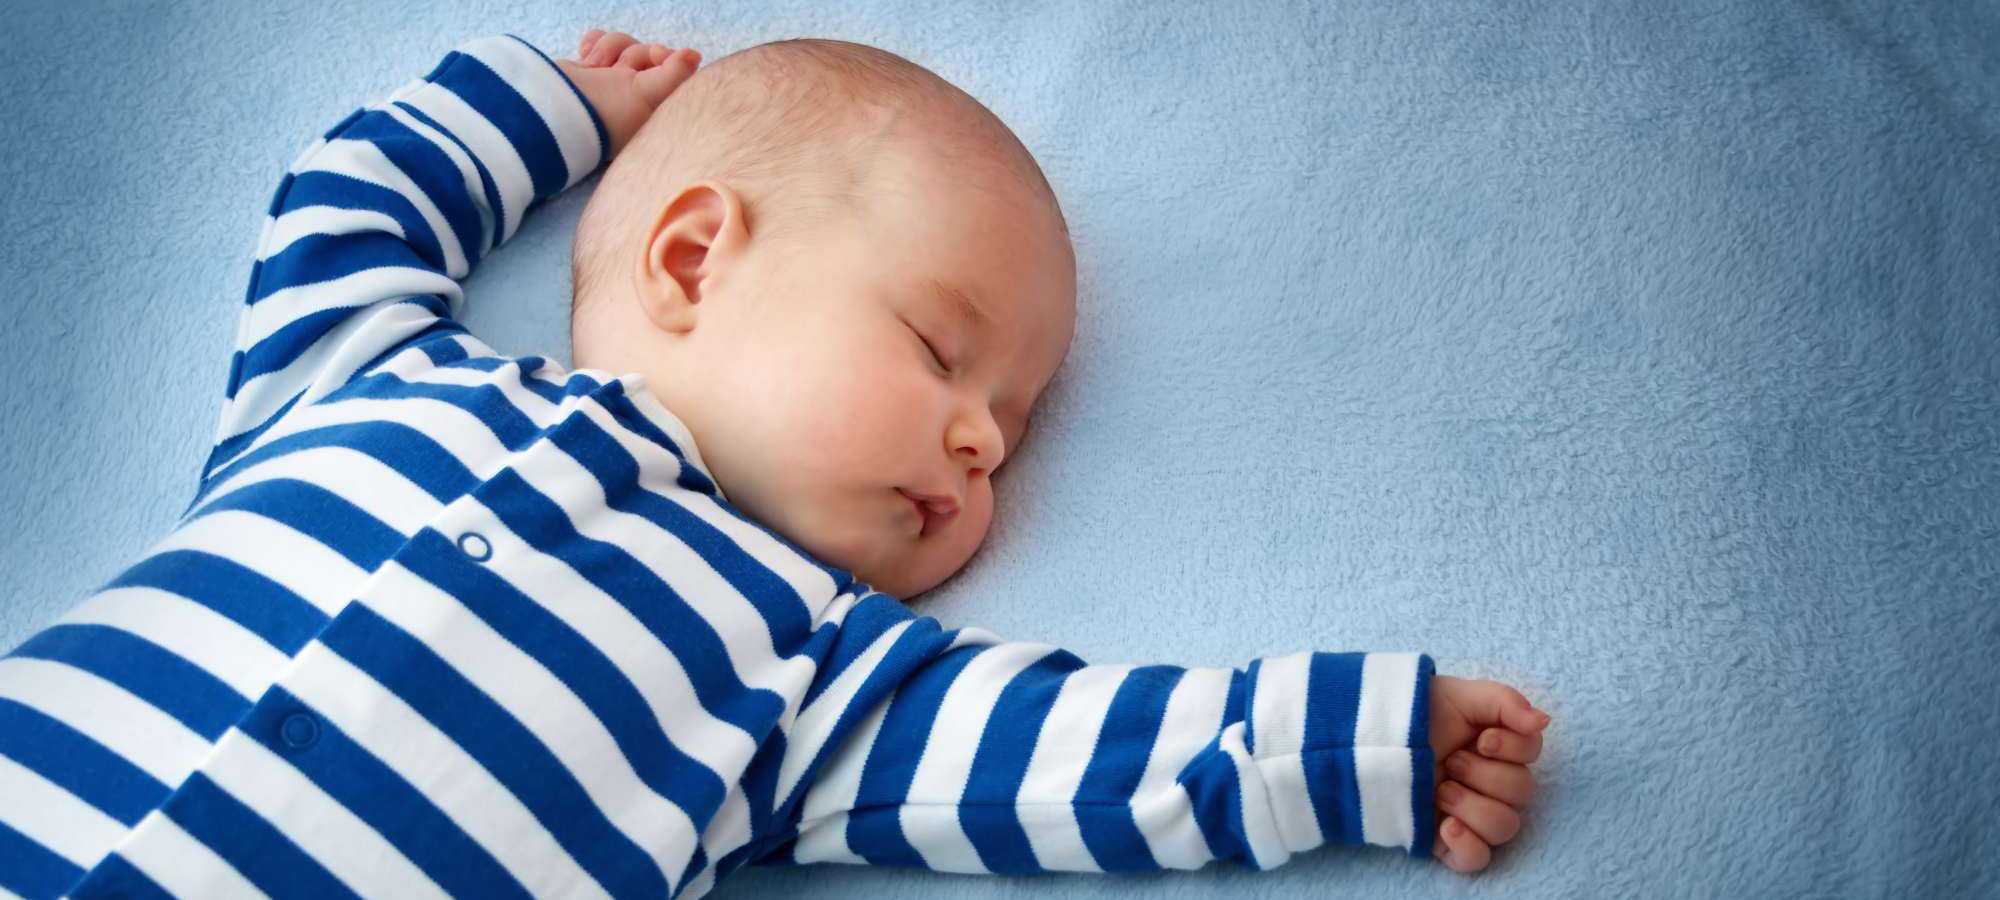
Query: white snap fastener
(475, 546)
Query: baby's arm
(955, 751)
(376, 222)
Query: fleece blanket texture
(1639, 354)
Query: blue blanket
(1638, 354)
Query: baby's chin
(897, 571)
(904, 568)
(843, 543)
(904, 585)
(889, 556)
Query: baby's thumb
(1498, 704)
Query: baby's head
(775, 249)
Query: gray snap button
(474, 545)
(299, 731)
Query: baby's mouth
(934, 513)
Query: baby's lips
(937, 510)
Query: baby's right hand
(625, 80)
(1483, 736)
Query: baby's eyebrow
(961, 304)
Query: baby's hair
(794, 127)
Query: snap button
(475, 546)
(299, 731)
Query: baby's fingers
(661, 80)
(1501, 744)
(1496, 822)
(1499, 704)
(1509, 783)
(1459, 849)
(638, 56)
(608, 48)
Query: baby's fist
(625, 80)
(1483, 736)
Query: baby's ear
(691, 239)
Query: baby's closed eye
(931, 348)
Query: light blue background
(1639, 354)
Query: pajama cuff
(521, 92)
(1343, 743)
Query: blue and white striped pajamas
(440, 621)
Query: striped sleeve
(986, 756)
(375, 223)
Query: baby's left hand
(1484, 735)
(625, 80)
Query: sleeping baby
(441, 621)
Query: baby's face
(820, 407)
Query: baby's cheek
(813, 420)
(839, 394)
(978, 514)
